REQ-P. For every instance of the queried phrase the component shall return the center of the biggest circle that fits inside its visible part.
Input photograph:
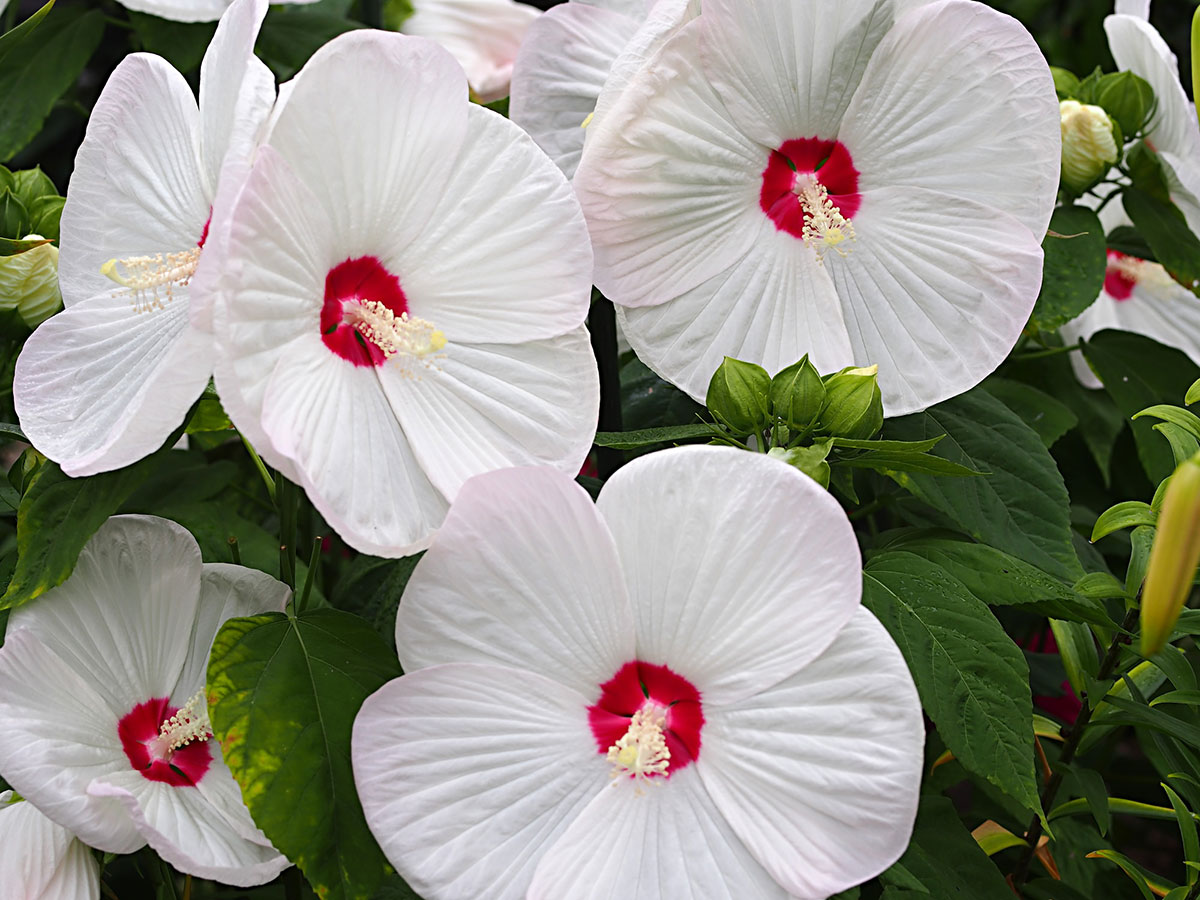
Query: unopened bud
(739, 396)
(1173, 557)
(1088, 146)
(29, 282)
(1127, 99)
(797, 394)
(853, 404)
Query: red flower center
(139, 731)
(1119, 280)
(639, 685)
(348, 286)
(792, 166)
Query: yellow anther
(641, 752)
(588, 120)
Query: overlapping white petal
(105, 383)
(133, 623)
(466, 772)
(483, 35)
(946, 97)
(377, 153)
(40, 860)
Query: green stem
(167, 879)
(285, 502)
(1073, 736)
(235, 551)
(262, 469)
(314, 563)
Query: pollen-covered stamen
(642, 751)
(189, 724)
(394, 335)
(151, 280)
(1138, 271)
(824, 224)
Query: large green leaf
(182, 44)
(1021, 506)
(972, 678)
(650, 437)
(945, 860)
(1073, 271)
(1137, 373)
(56, 518)
(289, 36)
(1049, 417)
(1166, 231)
(40, 68)
(282, 694)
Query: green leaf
(290, 36)
(1081, 806)
(1021, 507)
(1166, 231)
(998, 579)
(10, 247)
(1100, 586)
(1183, 444)
(1176, 415)
(1074, 267)
(1126, 239)
(58, 515)
(1050, 418)
(282, 694)
(1134, 713)
(939, 837)
(372, 588)
(650, 437)
(888, 461)
(1191, 698)
(1138, 373)
(649, 402)
(1077, 650)
(925, 446)
(45, 213)
(182, 44)
(15, 38)
(14, 219)
(809, 460)
(1145, 880)
(1187, 831)
(1091, 785)
(36, 71)
(208, 415)
(1193, 393)
(972, 678)
(1128, 514)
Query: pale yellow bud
(1088, 146)
(1173, 557)
(29, 282)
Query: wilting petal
(740, 569)
(467, 773)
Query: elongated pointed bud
(1173, 558)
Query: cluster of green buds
(30, 208)
(798, 402)
(1098, 115)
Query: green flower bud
(1173, 557)
(797, 394)
(853, 404)
(29, 283)
(1127, 99)
(739, 396)
(1065, 83)
(1088, 146)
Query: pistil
(189, 724)
(151, 280)
(402, 335)
(824, 225)
(642, 752)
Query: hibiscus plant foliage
(608, 448)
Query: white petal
(787, 70)
(483, 36)
(523, 573)
(770, 307)
(123, 619)
(936, 290)
(670, 841)
(1139, 48)
(187, 831)
(100, 386)
(665, 172)
(820, 775)
(958, 99)
(1139, 8)
(59, 734)
(740, 568)
(489, 406)
(226, 592)
(371, 125)
(504, 255)
(467, 774)
(137, 187)
(41, 860)
(1183, 183)
(561, 67)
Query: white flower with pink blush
(406, 279)
(483, 35)
(673, 692)
(106, 727)
(40, 860)
(105, 382)
(836, 177)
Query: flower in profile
(576, 58)
(406, 280)
(674, 692)
(1173, 132)
(40, 860)
(828, 178)
(103, 383)
(483, 35)
(102, 698)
